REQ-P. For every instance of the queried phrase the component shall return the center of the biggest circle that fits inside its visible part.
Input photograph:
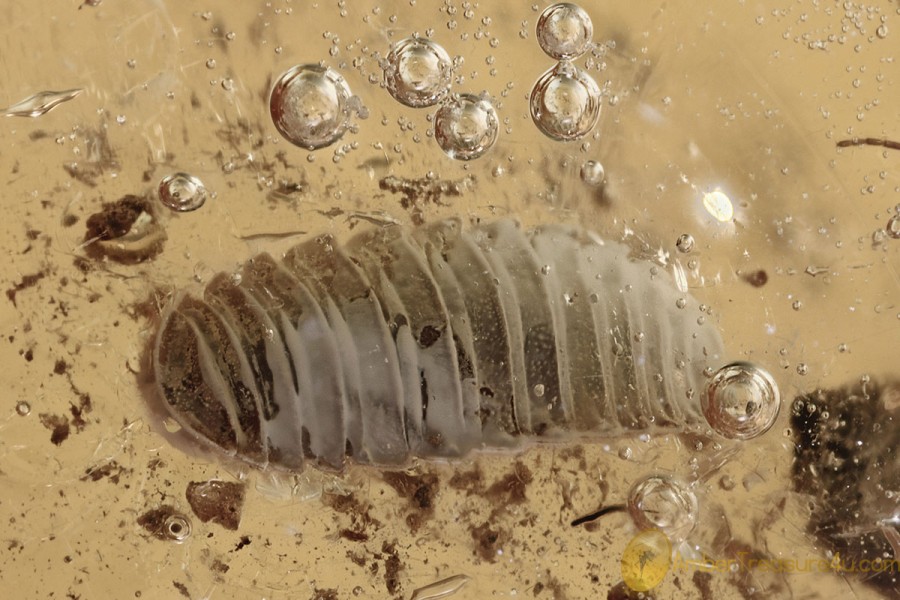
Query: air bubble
(565, 102)
(893, 227)
(741, 401)
(685, 243)
(310, 106)
(23, 408)
(177, 528)
(182, 192)
(593, 173)
(564, 31)
(466, 127)
(665, 503)
(418, 72)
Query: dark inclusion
(847, 442)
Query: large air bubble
(417, 72)
(564, 31)
(311, 106)
(466, 127)
(565, 102)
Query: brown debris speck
(154, 521)
(419, 491)
(328, 594)
(487, 541)
(217, 501)
(58, 425)
(757, 278)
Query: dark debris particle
(510, 489)
(703, 582)
(487, 541)
(154, 521)
(60, 367)
(419, 491)
(182, 589)
(26, 282)
(115, 232)
(392, 567)
(756, 278)
(622, 592)
(112, 471)
(58, 426)
(846, 449)
(215, 501)
(242, 543)
(219, 567)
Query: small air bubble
(685, 243)
(893, 227)
(665, 503)
(741, 401)
(182, 192)
(592, 173)
(23, 408)
(177, 528)
(539, 390)
(802, 369)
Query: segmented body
(432, 342)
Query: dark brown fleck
(487, 541)
(217, 501)
(243, 542)
(182, 589)
(510, 489)
(154, 521)
(703, 583)
(392, 567)
(26, 282)
(58, 425)
(756, 278)
(111, 470)
(419, 491)
(115, 220)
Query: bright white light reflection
(718, 205)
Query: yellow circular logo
(646, 560)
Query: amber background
(747, 96)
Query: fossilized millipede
(431, 342)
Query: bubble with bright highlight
(718, 204)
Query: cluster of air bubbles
(417, 72)
(182, 192)
(664, 503)
(466, 126)
(311, 106)
(565, 100)
(741, 401)
(177, 528)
